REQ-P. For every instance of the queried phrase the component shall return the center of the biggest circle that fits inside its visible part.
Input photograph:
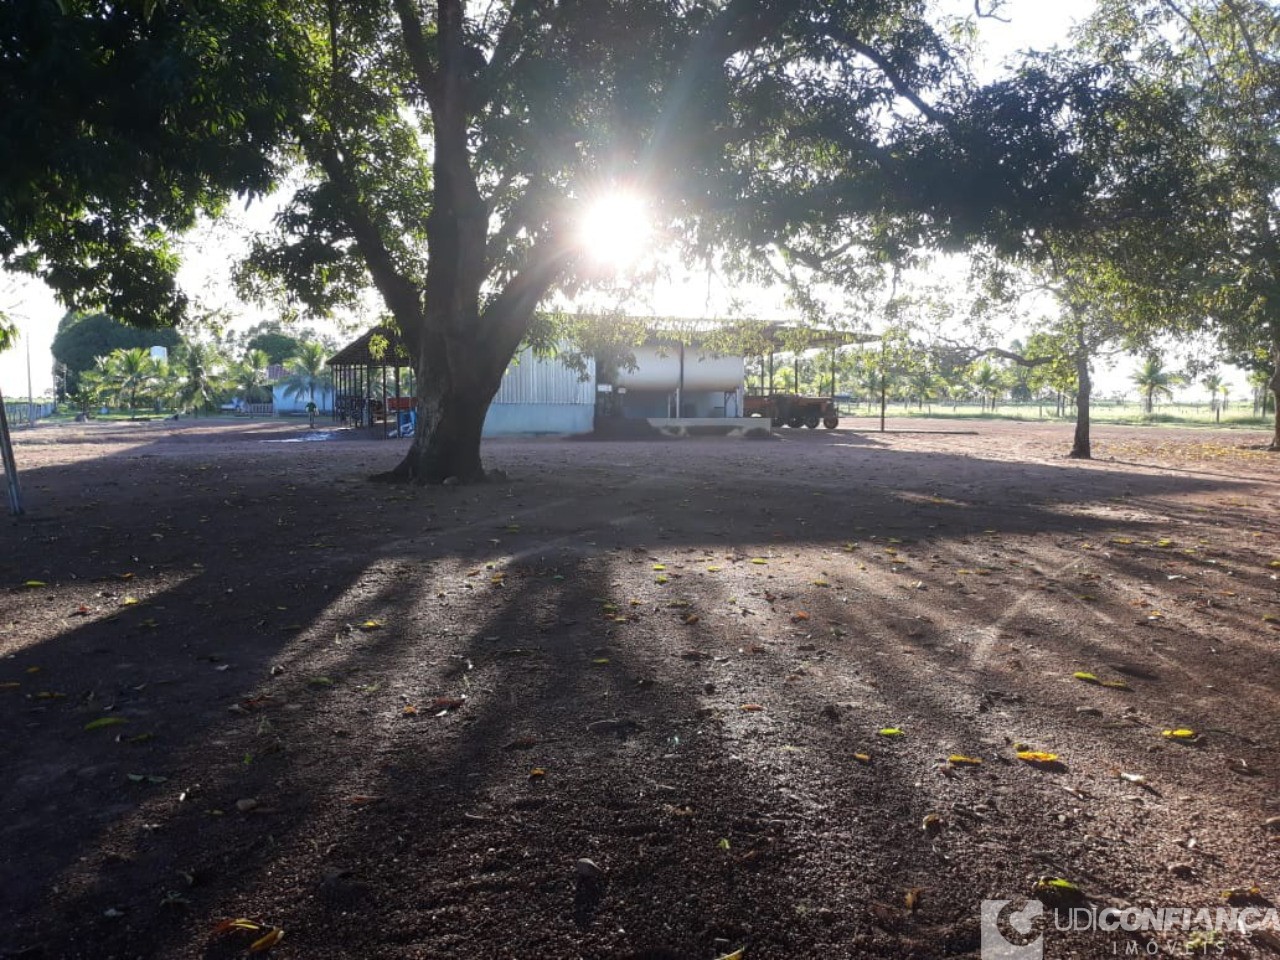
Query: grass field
(1179, 414)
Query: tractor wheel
(776, 423)
(795, 422)
(831, 422)
(811, 419)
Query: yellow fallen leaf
(659, 566)
(714, 569)
(240, 923)
(1182, 733)
(371, 625)
(890, 732)
(736, 955)
(862, 757)
(759, 561)
(1086, 677)
(35, 583)
(959, 759)
(267, 942)
(129, 601)
(537, 773)
(661, 579)
(1037, 757)
(821, 583)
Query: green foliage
(279, 347)
(123, 122)
(80, 338)
(308, 372)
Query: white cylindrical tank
(660, 370)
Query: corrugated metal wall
(533, 380)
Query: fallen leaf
(752, 707)
(129, 601)
(1086, 677)
(267, 942)
(1037, 757)
(537, 773)
(1182, 733)
(240, 923)
(369, 625)
(35, 583)
(448, 703)
(409, 710)
(659, 566)
(863, 758)
(799, 616)
(912, 899)
(891, 732)
(1056, 891)
(736, 955)
(759, 561)
(104, 722)
(959, 759)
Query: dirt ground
(238, 680)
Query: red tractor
(788, 409)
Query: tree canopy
(124, 121)
(81, 338)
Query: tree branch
(398, 292)
(415, 44)
(900, 86)
(507, 315)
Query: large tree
(1224, 55)
(448, 151)
(452, 150)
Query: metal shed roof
(360, 352)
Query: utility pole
(31, 406)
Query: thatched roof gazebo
(367, 380)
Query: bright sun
(615, 230)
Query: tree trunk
(1081, 448)
(1274, 384)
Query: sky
(1033, 24)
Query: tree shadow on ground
(301, 637)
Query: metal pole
(10, 465)
(31, 405)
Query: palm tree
(988, 381)
(251, 376)
(1213, 383)
(131, 370)
(921, 385)
(1153, 380)
(307, 372)
(199, 363)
